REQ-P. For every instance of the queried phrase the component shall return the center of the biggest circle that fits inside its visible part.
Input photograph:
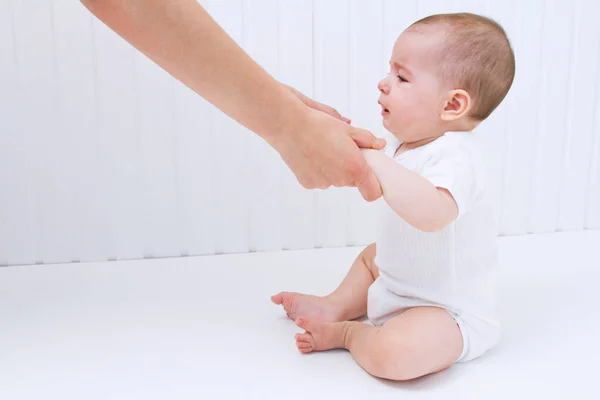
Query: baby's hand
(373, 158)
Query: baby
(427, 283)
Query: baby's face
(412, 97)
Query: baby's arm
(411, 196)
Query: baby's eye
(402, 79)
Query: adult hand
(322, 151)
(316, 105)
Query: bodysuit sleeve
(456, 168)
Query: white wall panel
(493, 131)
(521, 125)
(553, 106)
(36, 110)
(77, 151)
(118, 126)
(16, 244)
(195, 165)
(593, 188)
(577, 149)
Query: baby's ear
(457, 105)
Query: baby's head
(447, 73)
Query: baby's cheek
(422, 112)
(400, 124)
(406, 116)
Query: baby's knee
(369, 252)
(397, 360)
(368, 258)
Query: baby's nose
(383, 86)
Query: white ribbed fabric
(454, 268)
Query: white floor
(204, 328)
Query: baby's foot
(314, 307)
(320, 336)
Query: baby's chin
(387, 124)
(400, 131)
(392, 128)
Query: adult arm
(182, 38)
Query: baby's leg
(348, 301)
(418, 342)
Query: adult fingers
(366, 139)
(364, 179)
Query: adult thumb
(366, 139)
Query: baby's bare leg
(351, 294)
(418, 342)
(348, 301)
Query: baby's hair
(477, 57)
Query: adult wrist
(292, 119)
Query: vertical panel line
(536, 134)
(566, 138)
(595, 145)
(505, 142)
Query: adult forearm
(181, 37)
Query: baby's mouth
(384, 111)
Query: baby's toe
(303, 337)
(277, 298)
(303, 345)
(305, 350)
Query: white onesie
(453, 269)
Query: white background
(104, 156)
